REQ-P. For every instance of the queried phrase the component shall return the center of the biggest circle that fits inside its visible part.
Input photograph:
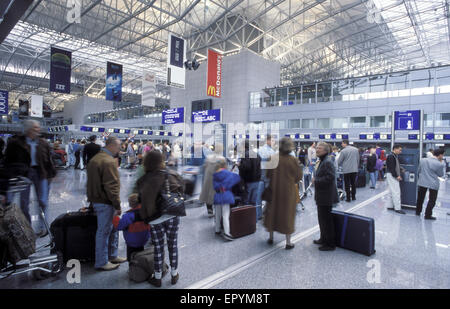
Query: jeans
(252, 192)
(106, 238)
(422, 191)
(373, 179)
(222, 213)
(264, 183)
(41, 187)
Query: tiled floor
(411, 252)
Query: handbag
(171, 203)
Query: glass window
(309, 94)
(294, 123)
(378, 83)
(428, 120)
(323, 123)
(377, 121)
(443, 120)
(358, 122)
(360, 85)
(281, 97)
(324, 92)
(421, 79)
(397, 81)
(341, 88)
(339, 123)
(308, 124)
(443, 77)
(295, 95)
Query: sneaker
(108, 266)
(430, 218)
(227, 237)
(175, 279)
(400, 212)
(118, 260)
(155, 282)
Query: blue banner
(206, 116)
(113, 82)
(176, 51)
(407, 120)
(172, 116)
(60, 70)
(3, 102)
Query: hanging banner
(113, 82)
(176, 53)
(24, 105)
(60, 70)
(3, 102)
(37, 104)
(214, 76)
(148, 89)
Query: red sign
(214, 78)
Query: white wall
(241, 74)
(83, 106)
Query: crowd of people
(270, 176)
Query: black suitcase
(242, 221)
(189, 186)
(361, 179)
(354, 232)
(74, 235)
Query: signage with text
(3, 102)
(172, 116)
(407, 120)
(206, 116)
(214, 75)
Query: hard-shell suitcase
(74, 235)
(242, 221)
(361, 178)
(16, 233)
(354, 232)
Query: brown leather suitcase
(242, 221)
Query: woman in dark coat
(325, 196)
(280, 211)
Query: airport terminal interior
(245, 144)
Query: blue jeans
(106, 238)
(252, 192)
(373, 179)
(42, 188)
(264, 183)
(311, 166)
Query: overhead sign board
(407, 120)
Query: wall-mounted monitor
(201, 105)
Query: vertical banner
(60, 70)
(214, 75)
(37, 105)
(24, 106)
(113, 82)
(3, 102)
(148, 89)
(176, 53)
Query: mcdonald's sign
(214, 75)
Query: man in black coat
(325, 196)
(90, 150)
(29, 156)
(250, 173)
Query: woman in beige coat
(210, 167)
(280, 211)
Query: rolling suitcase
(354, 232)
(74, 235)
(361, 179)
(242, 221)
(16, 234)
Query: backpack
(141, 265)
(379, 165)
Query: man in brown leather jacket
(29, 156)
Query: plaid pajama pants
(170, 229)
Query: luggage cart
(304, 192)
(340, 185)
(41, 266)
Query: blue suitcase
(354, 232)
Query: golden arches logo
(212, 90)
